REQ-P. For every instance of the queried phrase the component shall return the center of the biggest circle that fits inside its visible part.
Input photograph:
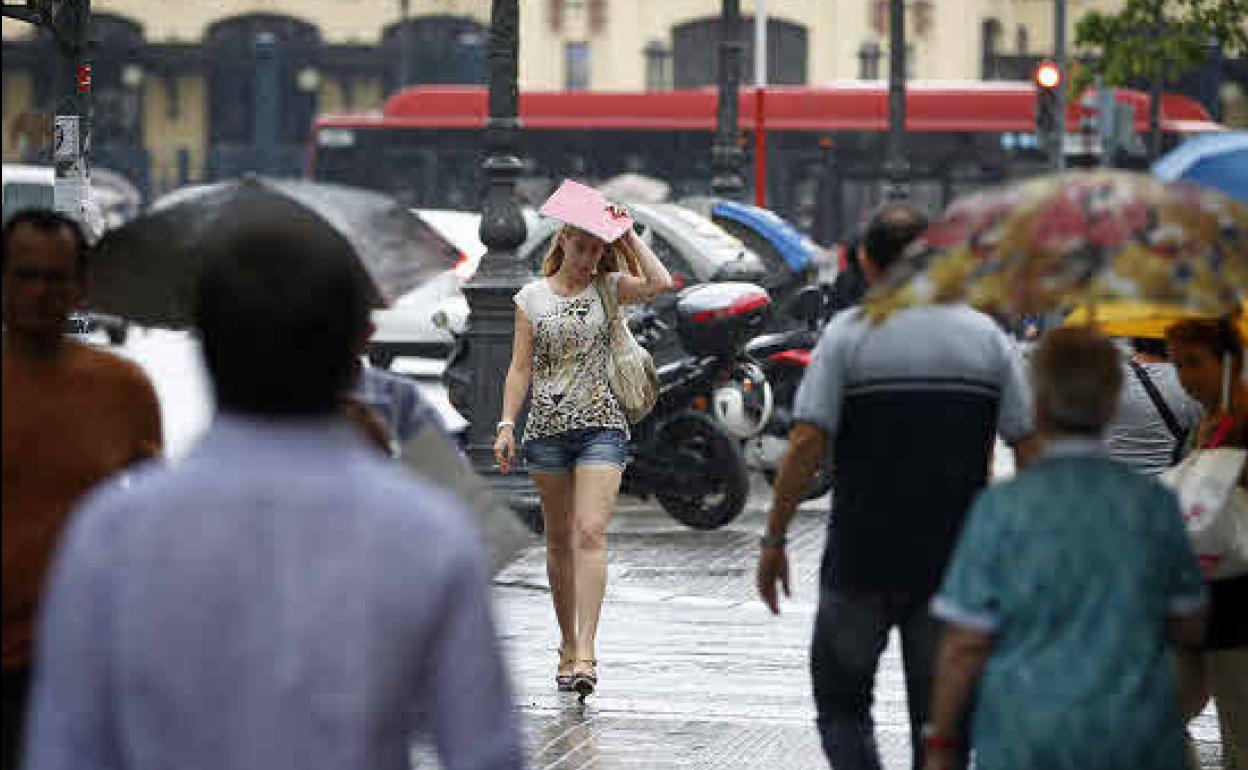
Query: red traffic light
(1048, 75)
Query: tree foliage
(1159, 38)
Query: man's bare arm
(960, 661)
(807, 443)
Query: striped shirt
(1138, 436)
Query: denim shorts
(562, 452)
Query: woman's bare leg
(594, 491)
(555, 490)
(1228, 673)
(1193, 690)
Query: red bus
(825, 145)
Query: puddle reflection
(568, 739)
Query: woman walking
(1209, 357)
(576, 436)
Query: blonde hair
(620, 256)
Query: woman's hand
(505, 448)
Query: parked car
(788, 255)
(406, 328)
(460, 229)
(114, 200)
(27, 187)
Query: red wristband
(935, 741)
(939, 743)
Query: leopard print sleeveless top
(569, 388)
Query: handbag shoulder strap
(1167, 416)
(609, 302)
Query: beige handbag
(631, 372)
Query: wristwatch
(503, 424)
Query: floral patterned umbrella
(1085, 237)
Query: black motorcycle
(683, 455)
(784, 357)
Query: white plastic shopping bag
(1215, 508)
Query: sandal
(564, 681)
(585, 680)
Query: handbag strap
(1167, 416)
(609, 303)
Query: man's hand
(773, 566)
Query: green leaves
(1152, 38)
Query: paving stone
(694, 672)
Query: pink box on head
(584, 207)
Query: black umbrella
(146, 270)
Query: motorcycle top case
(717, 319)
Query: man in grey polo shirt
(910, 409)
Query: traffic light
(1047, 79)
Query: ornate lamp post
(1059, 53)
(491, 317)
(896, 168)
(726, 155)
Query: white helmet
(742, 404)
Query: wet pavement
(694, 672)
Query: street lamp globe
(132, 75)
(308, 79)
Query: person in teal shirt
(1067, 588)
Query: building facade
(185, 92)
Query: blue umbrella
(1218, 160)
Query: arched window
(869, 60)
(439, 49)
(990, 46)
(658, 65)
(230, 56)
(695, 47)
(117, 74)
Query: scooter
(784, 357)
(684, 453)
